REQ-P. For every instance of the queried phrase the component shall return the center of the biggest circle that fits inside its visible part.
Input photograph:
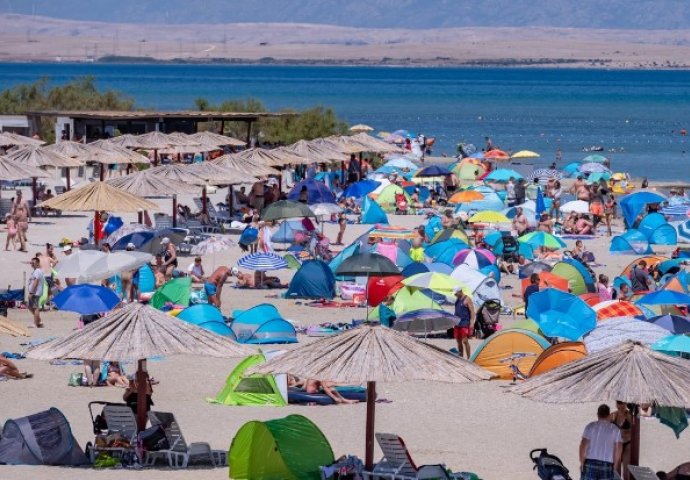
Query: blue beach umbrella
(673, 344)
(665, 297)
(433, 171)
(540, 206)
(673, 323)
(86, 299)
(502, 175)
(262, 262)
(561, 314)
(361, 188)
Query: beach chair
(119, 420)
(397, 463)
(641, 473)
(180, 454)
(163, 221)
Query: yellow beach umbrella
(489, 216)
(525, 154)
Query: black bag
(154, 439)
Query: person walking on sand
(464, 310)
(532, 288)
(36, 291)
(601, 447)
(22, 215)
(11, 232)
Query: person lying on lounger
(315, 386)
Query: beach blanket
(332, 304)
(574, 236)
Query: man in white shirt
(601, 448)
(36, 291)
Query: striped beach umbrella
(476, 258)
(262, 262)
(542, 239)
(544, 174)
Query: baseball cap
(131, 245)
(165, 241)
(234, 271)
(67, 248)
(456, 290)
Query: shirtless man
(214, 285)
(22, 214)
(46, 264)
(315, 386)
(520, 223)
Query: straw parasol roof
(360, 127)
(271, 158)
(126, 141)
(631, 373)
(70, 149)
(370, 354)
(316, 153)
(36, 156)
(158, 140)
(138, 332)
(12, 139)
(144, 185)
(375, 145)
(11, 170)
(211, 138)
(98, 196)
(217, 175)
(245, 166)
(108, 153)
(176, 172)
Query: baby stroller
(548, 467)
(401, 205)
(510, 247)
(487, 319)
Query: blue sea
(637, 114)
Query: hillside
(409, 14)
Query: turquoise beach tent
(632, 242)
(262, 324)
(372, 213)
(633, 204)
(657, 230)
(207, 316)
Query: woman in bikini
(623, 419)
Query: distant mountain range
(408, 14)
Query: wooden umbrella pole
(140, 216)
(34, 190)
(174, 210)
(204, 201)
(68, 179)
(103, 167)
(370, 428)
(635, 438)
(142, 379)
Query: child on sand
(11, 232)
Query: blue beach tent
(372, 213)
(632, 242)
(314, 279)
(317, 192)
(262, 324)
(208, 317)
(286, 231)
(633, 204)
(657, 230)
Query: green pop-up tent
(176, 291)
(254, 390)
(290, 448)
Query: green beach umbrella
(436, 282)
(176, 291)
(542, 239)
(286, 209)
(596, 158)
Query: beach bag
(75, 379)
(154, 439)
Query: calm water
(640, 112)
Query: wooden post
(361, 157)
(635, 438)
(140, 216)
(249, 134)
(204, 201)
(34, 192)
(142, 379)
(370, 427)
(174, 210)
(155, 157)
(68, 179)
(222, 127)
(103, 167)
(231, 200)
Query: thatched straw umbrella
(71, 149)
(161, 141)
(271, 158)
(10, 171)
(360, 127)
(9, 139)
(232, 161)
(373, 354)
(134, 333)
(630, 373)
(316, 152)
(96, 197)
(210, 138)
(143, 185)
(126, 141)
(37, 156)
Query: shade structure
(560, 314)
(576, 206)
(362, 142)
(158, 141)
(360, 127)
(286, 209)
(272, 158)
(318, 153)
(547, 280)
(488, 216)
(98, 196)
(212, 245)
(466, 196)
(476, 258)
(542, 239)
(361, 188)
(525, 154)
(42, 157)
(9, 139)
(315, 191)
(425, 321)
(617, 331)
(373, 354)
(148, 185)
(615, 308)
(134, 333)
(244, 165)
(665, 297)
(215, 139)
(69, 148)
(534, 267)
(108, 153)
(86, 299)
(595, 157)
(367, 264)
(325, 209)
(593, 167)
(219, 175)
(673, 323)
(94, 265)
(11, 170)
(126, 141)
(262, 262)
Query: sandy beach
(476, 427)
